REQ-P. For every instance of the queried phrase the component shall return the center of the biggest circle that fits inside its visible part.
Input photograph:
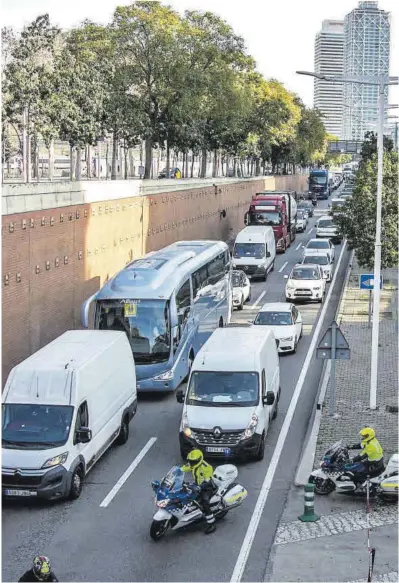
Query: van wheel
(76, 483)
(123, 432)
(272, 267)
(241, 306)
(261, 451)
(221, 323)
(275, 411)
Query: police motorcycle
(178, 504)
(338, 472)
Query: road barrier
(309, 513)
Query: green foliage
(358, 220)
(151, 74)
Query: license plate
(19, 493)
(304, 293)
(224, 450)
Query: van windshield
(325, 224)
(35, 426)
(256, 250)
(223, 389)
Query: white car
(285, 321)
(320, 245)
(327, 229)
(241, 289)
(322, 259)
(302, 218)
(305, 282)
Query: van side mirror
(246, 219)
(285, 276)
(83, 435)
(269, 398)
(268, 254)
(180, 396)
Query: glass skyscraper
(366, 52)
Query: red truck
(276, 209)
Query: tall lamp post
(381, 81)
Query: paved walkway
(335, 547)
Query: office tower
(366, 52)
(329, 52)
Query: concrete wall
(67, 239)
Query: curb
(306, 462)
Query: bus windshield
(146, 323)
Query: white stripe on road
(258, 300)
(282, 267)
(267, 483)
(128, 472)
(308, 233)
(299, 246)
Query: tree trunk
(257, 167)
(71, 164)
(131, 163)
(242, 168)
(25, 148)
(186, 167)
(51, 161)
(78, 164)
(235, 167)
(88, 162)
(215, 153)
(98, 169)
(114, 156)
(126, 151)
(203, 163)
(167, 159)
(148, 159)
(192, 165)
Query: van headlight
(185, 426)
(56, 460)
(250, 430)
(165, 376)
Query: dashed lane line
(331, 524)
(283, 267)
(299, 246)
(308, 233)
(258, 300)
(109, 497)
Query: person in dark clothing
(40, 571)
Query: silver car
(322, 259)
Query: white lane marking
(258, 300)
(267, 482)
(299, 246)
(128, 472)
(308, 233)
(331, 524)
(282, 267)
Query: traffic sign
(333, 346)
(367, 281)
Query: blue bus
(168, 303)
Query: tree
(357, 221)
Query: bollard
(308, 513)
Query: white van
(232, 394)
(255, 251)
(62, 409)
(327, 229)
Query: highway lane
(91, 543)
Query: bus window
(216, 269)
(183, 302)
(200, 279)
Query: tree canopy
(185, 83)
(358, 221)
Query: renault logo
(217, 432)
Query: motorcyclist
(202, 473)
(372, 455)
(40, 571)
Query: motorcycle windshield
(173, 481)
(335, 447)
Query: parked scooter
(178, 504)
(338, 472)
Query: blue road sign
(367, 281)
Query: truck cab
(319, 184)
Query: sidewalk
(335, 547)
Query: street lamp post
(381, 81)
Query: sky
(279, 33)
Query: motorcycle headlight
(56, 460)
(250, 430)
(162, 503)
(165, 376)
